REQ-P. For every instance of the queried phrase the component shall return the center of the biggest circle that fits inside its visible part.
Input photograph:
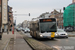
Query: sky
(35, 8)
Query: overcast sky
(35, 7)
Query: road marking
(6, 45)
(63, 47)
(58, 47)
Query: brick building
(73, 1)
(58, 16)
(0, 2)
(0, 15)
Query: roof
(54, 11)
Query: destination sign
(48, 20)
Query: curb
(36, 45)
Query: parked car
(23, 29)
(62, 33)
(69, 29)
(27, 30)
(18, 29)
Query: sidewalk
(20, 43)
(5, 39)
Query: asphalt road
(59, 44)
(71, 33)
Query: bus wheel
(52, 38)
(0, 37)
(33, 37)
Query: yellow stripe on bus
(52, 34)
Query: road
(60, 43)
(71, 33)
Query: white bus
(43, 28)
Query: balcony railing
(10, 11)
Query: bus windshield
(47, 27)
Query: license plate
(52, 34)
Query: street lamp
(15, 21)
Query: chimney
(73, 1)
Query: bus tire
(0, 37)
(32, 36)
(52, 38)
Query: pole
(13, 30)
(1, 22)
(73, 18)
(8, 19)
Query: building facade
(73, 1)
(10, 18)
(4, 15)
(0, 16)
(26, 24)
(7, 16)
(59, 18)
(45, 15)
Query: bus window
(47, 26)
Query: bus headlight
(56, 34)
(41, 35)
